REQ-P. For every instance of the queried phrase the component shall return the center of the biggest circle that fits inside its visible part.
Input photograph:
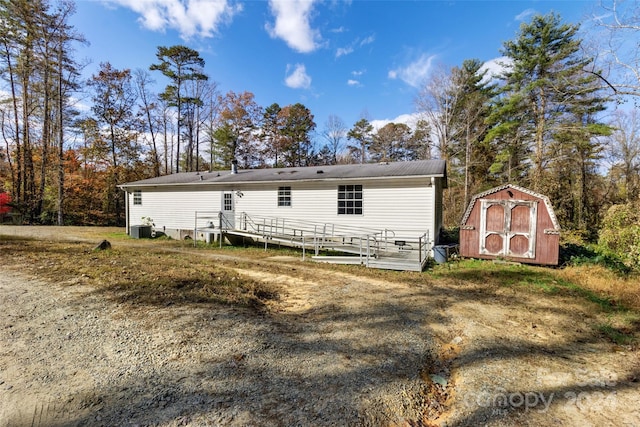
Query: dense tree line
(539, 123)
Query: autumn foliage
(5, 203)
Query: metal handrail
(210, 227)
(282, 225)
(365, 242)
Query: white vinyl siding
(401, 205)
(387, 204)
(174, 209)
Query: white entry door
(228, 210)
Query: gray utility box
(140, 231)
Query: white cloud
(357, 73)
(293, 24)
(298, 78)
(414, 73)
(342, 51)
(408, 119)
(188, 17)
(495, 67)
(352, 82)
(525, 14)
(368, 40)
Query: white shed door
(228, 210)
(508, 228)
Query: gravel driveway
(70, 357)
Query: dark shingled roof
(418, 168)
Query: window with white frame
(137, 197)
(350, 200)
(227, 202)
(284, 196)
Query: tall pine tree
(180, 64)
(548, 107)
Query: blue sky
(345, 58)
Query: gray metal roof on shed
(418, 168)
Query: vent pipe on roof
(234, 166)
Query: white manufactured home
(370, 211)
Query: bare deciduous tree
(334, 132)
(616, 46)
(436, 102)
(624, 153)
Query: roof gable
(494, 190)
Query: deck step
(347, 260)
(386, 263)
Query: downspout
(126, 211)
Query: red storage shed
(510, 222)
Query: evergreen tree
(296, 131)
(271, 134)
(390, 143)
(362, 134)
(421, 142)
(180, 64)
(548, 107)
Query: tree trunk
(17, 173)
(60, 142)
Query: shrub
(620, 233)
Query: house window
(284, 196)
(227, 204)
(137, 197)
(350, 200)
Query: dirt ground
(338, 348)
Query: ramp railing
(368, 244)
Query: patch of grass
(117, 235)
(617, 297)
(616, 335)
(249, 252)
(489, 272)
(9, 238)
(606, 303)
(620, 291)
(138, 276)
(527, 277)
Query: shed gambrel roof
(418, 168)
(484, 194)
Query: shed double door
(508, 228)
